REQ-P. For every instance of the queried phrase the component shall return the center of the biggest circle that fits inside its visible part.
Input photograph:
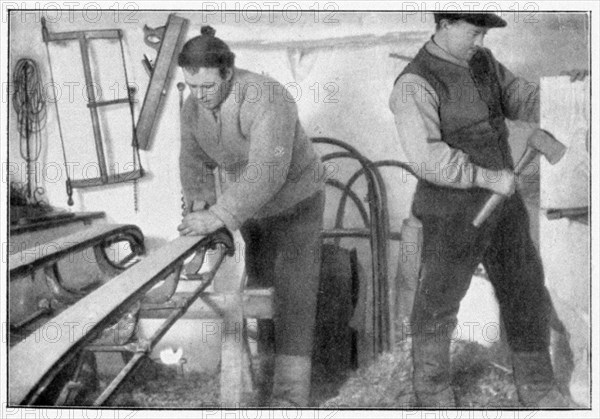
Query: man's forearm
(196, 174)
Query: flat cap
(484, 20)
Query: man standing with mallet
(450, 104)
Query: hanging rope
(30, 107)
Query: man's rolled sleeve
(415, 107)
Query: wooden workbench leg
(232, 352)
(248, 379)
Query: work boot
(535, 382)
(264, 361)
(263, 378)
(291, 381)
(431, 372)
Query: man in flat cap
(450, 104)
(247, 125)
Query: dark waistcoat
(471, 120)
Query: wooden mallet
(540, 141)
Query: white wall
(564, 243)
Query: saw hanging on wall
(94, 104)
(167, 40)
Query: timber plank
(47, 253)
(33, 359)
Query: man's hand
(576, 74)
(199, 223)
(503, 182)
(506, 184)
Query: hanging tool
(153, 38)
(167, 40)
(539, 142)
(181, 88)
(148, 66)
(84, 38)
(575, 212)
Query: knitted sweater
(266, 162)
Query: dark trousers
(284, 252)
(452, 250)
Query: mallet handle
(528, 156)
(495, 200)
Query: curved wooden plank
(33, 360)
(46, 254)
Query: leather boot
(265, 361)
(431, 371)
(535, 382)
(264, 379)
(291, 381)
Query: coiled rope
(30, 106)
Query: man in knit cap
(450, 105)
(247, 126)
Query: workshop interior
(109, 306)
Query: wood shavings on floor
(481, 378)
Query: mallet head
(545, 143)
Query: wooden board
(48, 253)
(31, 360)
(159, 81)
(256, 303)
